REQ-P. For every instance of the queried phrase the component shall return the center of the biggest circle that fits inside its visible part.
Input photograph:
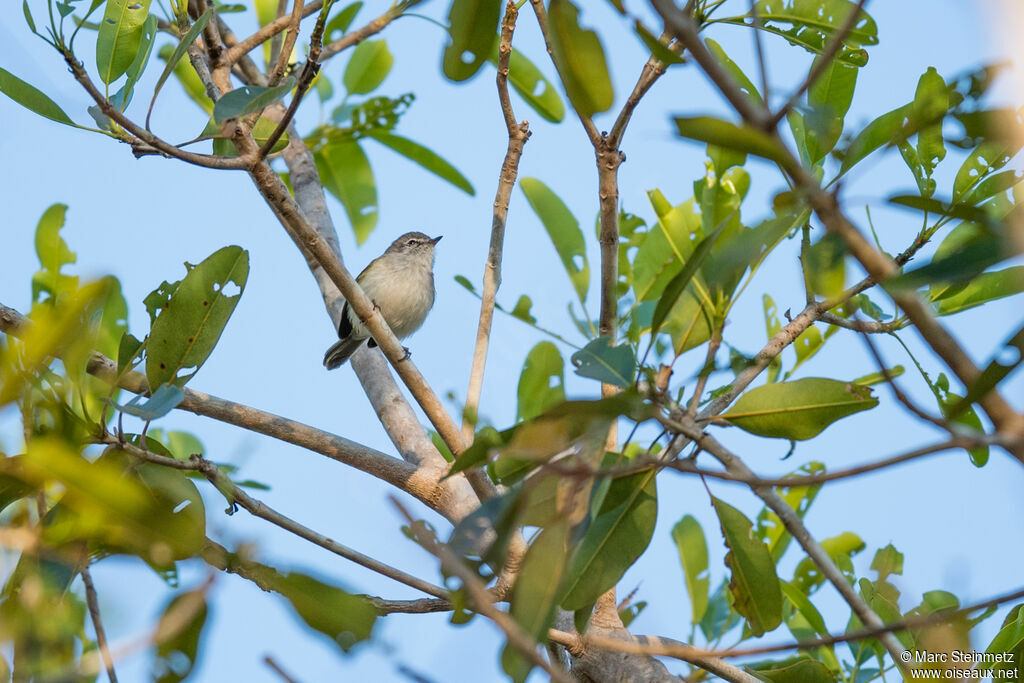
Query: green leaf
(179, 51)
(719, 618)
(798, 410)
(829, 99)
(841, 549)
(1009, 641)
(931, 101)
(542, 381)
(119, 37)
(885, 130)
(346, 619)
(580, 59)
(54, 254)
(757, 594)
(186, 330)
(887, 561)
(347, 175)
(473, 27)
(730, 136)
(124, 95)
(536, 90)
(33, 99)
(414, 151)
(180, 628)
(770, 528)
(824, 264)
(616, 537)
(339, 24)
(741, 79)
(874, 378)
(658, 49)
(805, 607)
(982, 161)
(248, 99)
(812, 24)
(535, 593)
(966, 417)
(368, 66)
(982, 289)
(610, 364)
(693, 555)
(805, 670)
(678, 284)
(564, 231)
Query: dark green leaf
(344, 618)
(757, 594)
(367, 67)
(580, 59)
(616, 537)
(473, 27)
(805, 670)
(824, 265)
(564, 231)
(798, 410)
(123, 96)
(426, 158)
(829, 99)
(535, 593)
(658, 49)
(248, 99)
(179, 51)
(884, 130)
(693, 555)
(346, 174)
(31, 98)
(119, 37)
(678, 284)
(730, 136)
(180, 628)
(610, 364)
(184, 334)
(719, 617)
(542, 381)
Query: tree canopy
(752, 319)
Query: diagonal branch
(97, 623)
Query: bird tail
(341, 350)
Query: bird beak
(436, 239)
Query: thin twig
(820, 64)
(276, 668)
(246, 45)
(275, 42)
(869, 326)
(290, 36)
(97, 623)
(897, 392)
(482, 602)
(762, 65)
(359, 35)
(518, 134)
(257, 508)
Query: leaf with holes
(473, 27)
(757, 594)
(580, 59)
(529, 82)
(542, 381)
(339, 24)
(193, 318)
(610, 364)
(564, 231)
(119, 37)
(931, 100)
(54, 253)
(798, 410)
(693, 555)
(346, 173)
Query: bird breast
(403, 295)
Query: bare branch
(869, 326)
(518, 134)
(97, 623)
(653, 645)
(359, 35)
(258, 509)
(290, 36)
(243, 47)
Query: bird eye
(410, 242)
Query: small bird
(400, 282)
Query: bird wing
(345, 324)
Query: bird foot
(408, 354)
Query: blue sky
(960, 527)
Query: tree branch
(359, 35)
(246, 45)
(237, 496)
(290, 36)
(94, 612)
(518, 134)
